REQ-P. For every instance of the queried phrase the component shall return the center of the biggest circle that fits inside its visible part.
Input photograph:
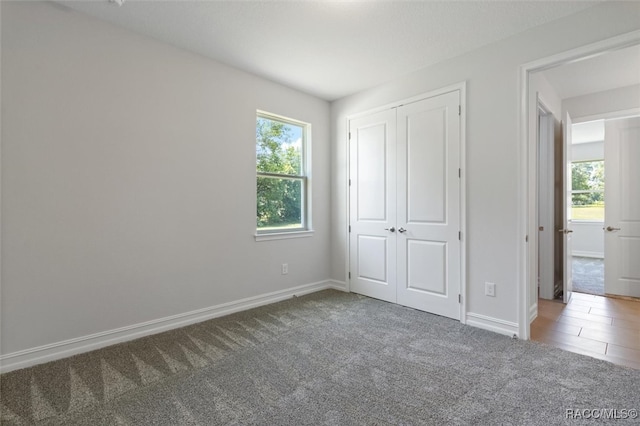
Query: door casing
(567, 271)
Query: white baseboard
(338, 285)
(593, 254)
(66, 348)
(533, 312)
(492, 324)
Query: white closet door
(372, 205)
(428, 205)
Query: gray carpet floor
(588, 275)
(328, 358)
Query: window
(282, 175)
(587, 190)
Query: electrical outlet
(489, 289)
(285, 268)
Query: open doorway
(593, 85)
(588, 207)
(595, 90)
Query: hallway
(588, 275)
(597, 326)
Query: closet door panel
(426, 166)
(428, 205)
(372, 205)
(426, 266)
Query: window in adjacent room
(587, 191)
(282, 174)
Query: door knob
(402, 230)
(611, 229)
(392, 229)
(565, 231)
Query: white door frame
(567, 201)
(462, 87)
(546, 237)
(527, 178)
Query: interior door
(428, 200)
(372, 205)
(567, 279)
(622, 207)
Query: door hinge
(349, 275)
(349, 135)
(349, 182)
(460, 235)
(459, 298)
(526, 238)
(349, 228)
(459, 173)
(459, 109)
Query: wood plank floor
(601, 327)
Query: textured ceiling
(619, 68)
(329, 48)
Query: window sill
(283, 235)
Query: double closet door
(404, 205)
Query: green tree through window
(281, 174)
(587, 190)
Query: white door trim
(567, 243)
(462, 88)
(625, 113)
(527, 256)
(546, 278)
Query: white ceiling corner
(329, 48)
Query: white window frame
(305, 230)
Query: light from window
(587, 190)
(281, 167)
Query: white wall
(587, 239)
(603, 103)
(492, 168)
(588, 151)
(128, 180)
